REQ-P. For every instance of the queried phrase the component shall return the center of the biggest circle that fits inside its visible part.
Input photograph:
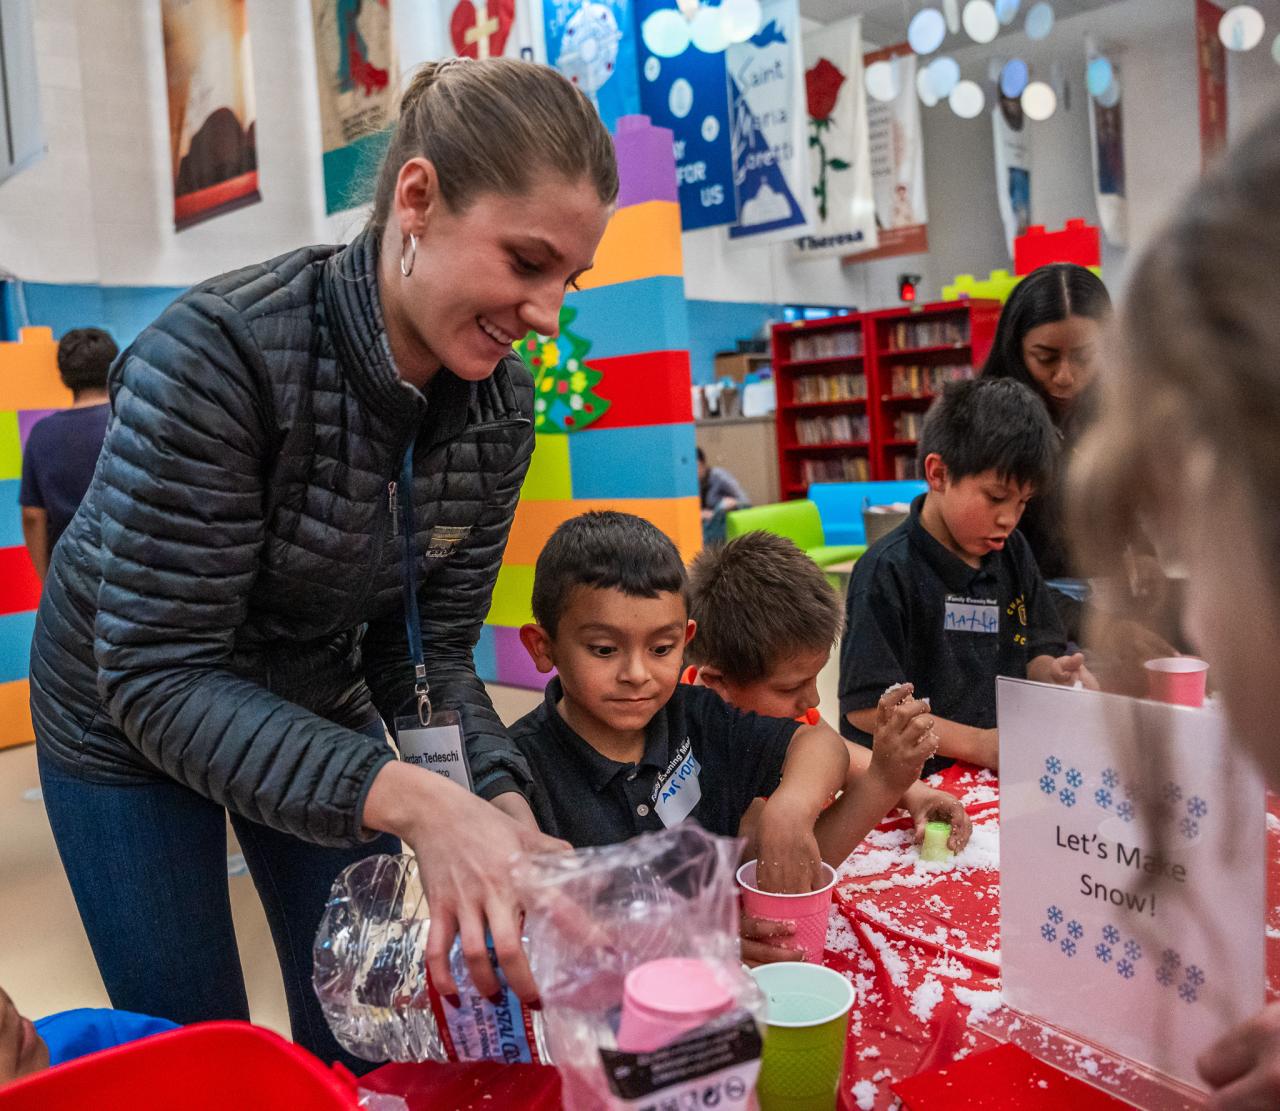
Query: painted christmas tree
(564, 397)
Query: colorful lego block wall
(29, 389)
(640, 456)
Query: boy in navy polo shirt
(953, 598)
(619, 747)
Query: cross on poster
(1132, 872)
(486, 28)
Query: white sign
(1132, 872)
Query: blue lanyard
(412, 619)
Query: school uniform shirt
(58, 463)
(918, 613)
(702, 760)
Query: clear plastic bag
(663, 901)
(369, 972)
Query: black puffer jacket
(225, 608)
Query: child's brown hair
(756, 599)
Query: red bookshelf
(852, 390)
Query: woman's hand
(464, 848)
(1244, 1066)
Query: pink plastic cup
(664, 999)
(1177, 679)
(808, 911)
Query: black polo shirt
(702, 759)
(919, 613)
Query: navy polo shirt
(702, 759)
(58, 463)
(918, 613)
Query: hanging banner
(356, 77)
(897, 163)
(593, 43)
(211, 110)
(488, 28)
(1106, 140)
(689, 95)
(768, 125)
(1211, 64)
(1132, 873)
(1013, 167)
(844, 207)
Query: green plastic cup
(936, 836)
(808, 1019)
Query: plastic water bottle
(370, 975)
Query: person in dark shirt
(62, 449)
(952, 598)
(619, 747)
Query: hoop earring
(406, 268)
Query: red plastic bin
(211, 1066)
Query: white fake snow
(1273, 823)
(980, 1003)
(864, 1091)
(926, 997)
(893, 963)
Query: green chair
(799, 522)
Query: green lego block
(549, 476)
(512, 596)
(997, 287)
(10, 447)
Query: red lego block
(1077, 242)
(19, 584)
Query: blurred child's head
(22, 1050)
(767, 619)
(987, 445)
(84, 357)
(1186, 448)
(610, 602)
(1050, 334)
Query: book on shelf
(839, 429)
(850, 468)
(903, 335)
(907, 426)
(916, 381)
(830, 387)
(842, 344)
(905, 466)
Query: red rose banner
(843, 203)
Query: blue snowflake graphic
(1103, 798)
(1133, 950)
(1125, 811)
(1197, 807)
(1075, 779)
(1125, 969)
(1048, 932)
(1195, 976)
(1075, 929)
(1067, 796)
(1110, 779)
(1189, 828)
(1165, 975)
(1103, 952)
(1055, 915)
(1048, 784)
(1172, 792)
(1068, 947)
(1111, 935)
(1171, 958)
(1187, 993)
(1053, 765)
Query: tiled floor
(45, 961)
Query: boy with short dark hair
(952, 598)
(620, 747)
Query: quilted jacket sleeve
(453, 603)
(182, 508)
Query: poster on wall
(488, 28)
(593, 43)
(768, 128)
(357, 82)
(1013, 167)
(689, 95)
(844, 207)
(1106, 141)
(1211, 65)
(897, 163)
(212, 118)
(1132, 870)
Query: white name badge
(971, 615)
(438, 747)
(679, 792)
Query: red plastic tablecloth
(921, 948)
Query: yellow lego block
(29, 372)
(535, 521)
(641, 241)
(15, 714)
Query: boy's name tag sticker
(437, 747)
(971, 615)
(678, 790)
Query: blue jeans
(148, 867)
